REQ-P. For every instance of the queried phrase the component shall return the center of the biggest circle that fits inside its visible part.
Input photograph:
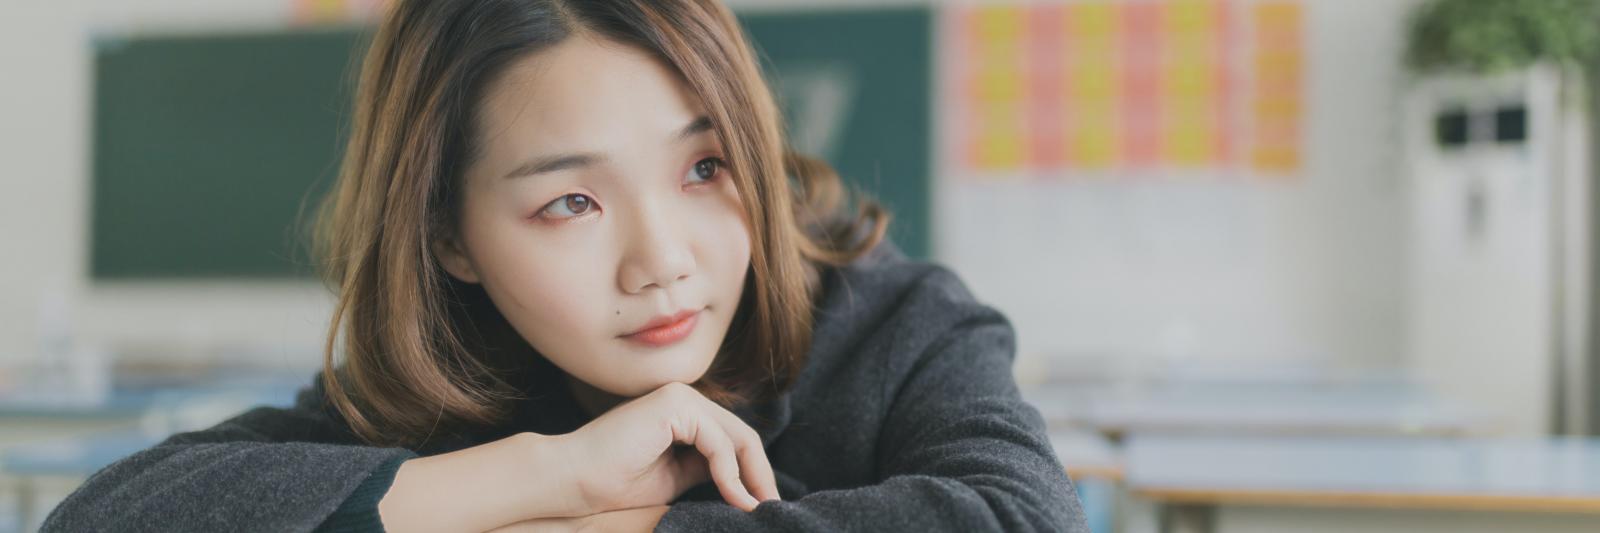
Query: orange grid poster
(1125, 86)
(336, 11)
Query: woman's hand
(651, 449)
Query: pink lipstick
(666, 329)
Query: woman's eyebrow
(552, 163)
(700, 124)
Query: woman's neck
(594, 402)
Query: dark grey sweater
(906, 418)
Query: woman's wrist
(517, 478)
(639, 519)
(549, 486)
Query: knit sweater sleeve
(959, 450)
(268, 469)
(359, 512)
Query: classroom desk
(1376, 409)
(1086, 454)
(147, 412)
(1189, 477)
(1095, 466)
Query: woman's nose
(658, 252)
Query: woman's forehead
(585, 94)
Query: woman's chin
(639, 379)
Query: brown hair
(420, 348)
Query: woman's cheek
(734, 221)
(561, 292)
(546, 282)
(728, 247)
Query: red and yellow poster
(336, 11)
(1116, 86)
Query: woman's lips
(666, 330)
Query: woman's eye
(703, 170)
(568, 206)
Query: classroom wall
(1197, 267)
(44, 213)
(1308, 268)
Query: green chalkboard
(855, 86)
(208, 149)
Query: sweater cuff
(359, 512)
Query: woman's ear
(454, 260)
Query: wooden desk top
(1087, 454)
(1532, 475)
(1346, 410)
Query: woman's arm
(482, 487)
(959, 450)
(636, 520)
(298, 469)
(267, 468)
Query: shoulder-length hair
(420, 348)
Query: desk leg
(1185, 517)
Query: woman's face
(600, 218)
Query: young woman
(582, 284)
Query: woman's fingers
(712, 441)
(691, 469)
(755, 468)
(734, 454)
(759, 474)
(698, 428)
